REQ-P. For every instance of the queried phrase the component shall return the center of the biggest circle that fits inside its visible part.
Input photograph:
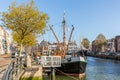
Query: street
(4, 62)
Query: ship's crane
(54, 34)
(58, 42)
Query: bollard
(52, 73)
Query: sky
(89, 17)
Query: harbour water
(102, 69)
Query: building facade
(47, 48)
(72, 47)
(4, 41)
(110, 45)
(117, 43)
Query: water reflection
(102, 69)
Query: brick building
(117, 43)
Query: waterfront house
(110, 45)
(4, 41)
(117, 43)
(47, 48)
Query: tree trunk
(28, 60)
(21, 48)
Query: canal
(102, 69)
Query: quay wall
(105, 56)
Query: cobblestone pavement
(4, 62)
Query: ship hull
(74, 68)
(77, 67)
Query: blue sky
(89, 17)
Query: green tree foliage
(101, 39)
(25, 21)
(100, 42)
(28, 40)
(86, 43)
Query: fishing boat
(74, 63)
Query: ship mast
(64, 33)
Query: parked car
(14, 55)
(111, 54)
(23, 54)
(118, 54)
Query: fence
(14, 69)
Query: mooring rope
(66, 74)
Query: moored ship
(74, 63)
